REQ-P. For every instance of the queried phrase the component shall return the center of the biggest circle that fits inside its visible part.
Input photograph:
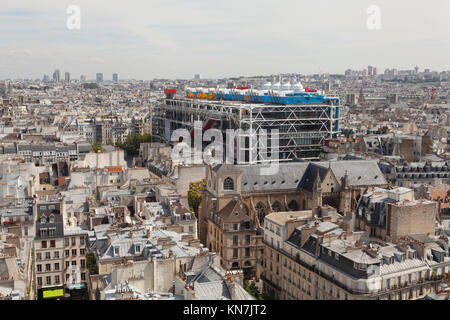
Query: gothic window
(276, 206)
(228, 184)
(261, 212)
(293, 205)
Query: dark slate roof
(311, 244)
(225, 168)
(310, 175)
(360, 172)
(84, 147)
(295, 237)
(287, 176)
(58, 224)
(295, 175)
(421, 237)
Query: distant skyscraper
(375, 71)
(56, 76)
(46, 78)
(197, 77)
(370, 70)
(67, 76)
(115, 77)
(83, 78)
(99, 77)
(417, 69)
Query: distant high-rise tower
(370, 70)
(99, 77)
(67, 77)
(56, 76)
(416, 69)
(115, 77)
(46, 78)
(197, 77)
(375, 71)
(83, 78)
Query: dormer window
(43, 219)
(228, 184)
(51, 218)
(116, 251)
(137, 248)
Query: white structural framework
(302, 127)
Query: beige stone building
(320, 261)
(294, 186)
(48, 254)
(75, 267)
(392, 214)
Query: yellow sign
(53, 293)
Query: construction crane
(433, 90)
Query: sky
(147, 39)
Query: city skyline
(364, 71)
(140, 41)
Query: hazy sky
(146, 39)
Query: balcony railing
(429, 280)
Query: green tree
(251, 288)
(91, 263)
(194, 195)
(90, 86)
(133, 142)
(97, 147)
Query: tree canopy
(132, 143)
(194, 195)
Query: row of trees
(90, 86)
(132, 143)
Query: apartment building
(321, 261)
(232, 234)
(391, 214)
(416, 173)
(47, 153)
(75, 250)
(49, 256)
